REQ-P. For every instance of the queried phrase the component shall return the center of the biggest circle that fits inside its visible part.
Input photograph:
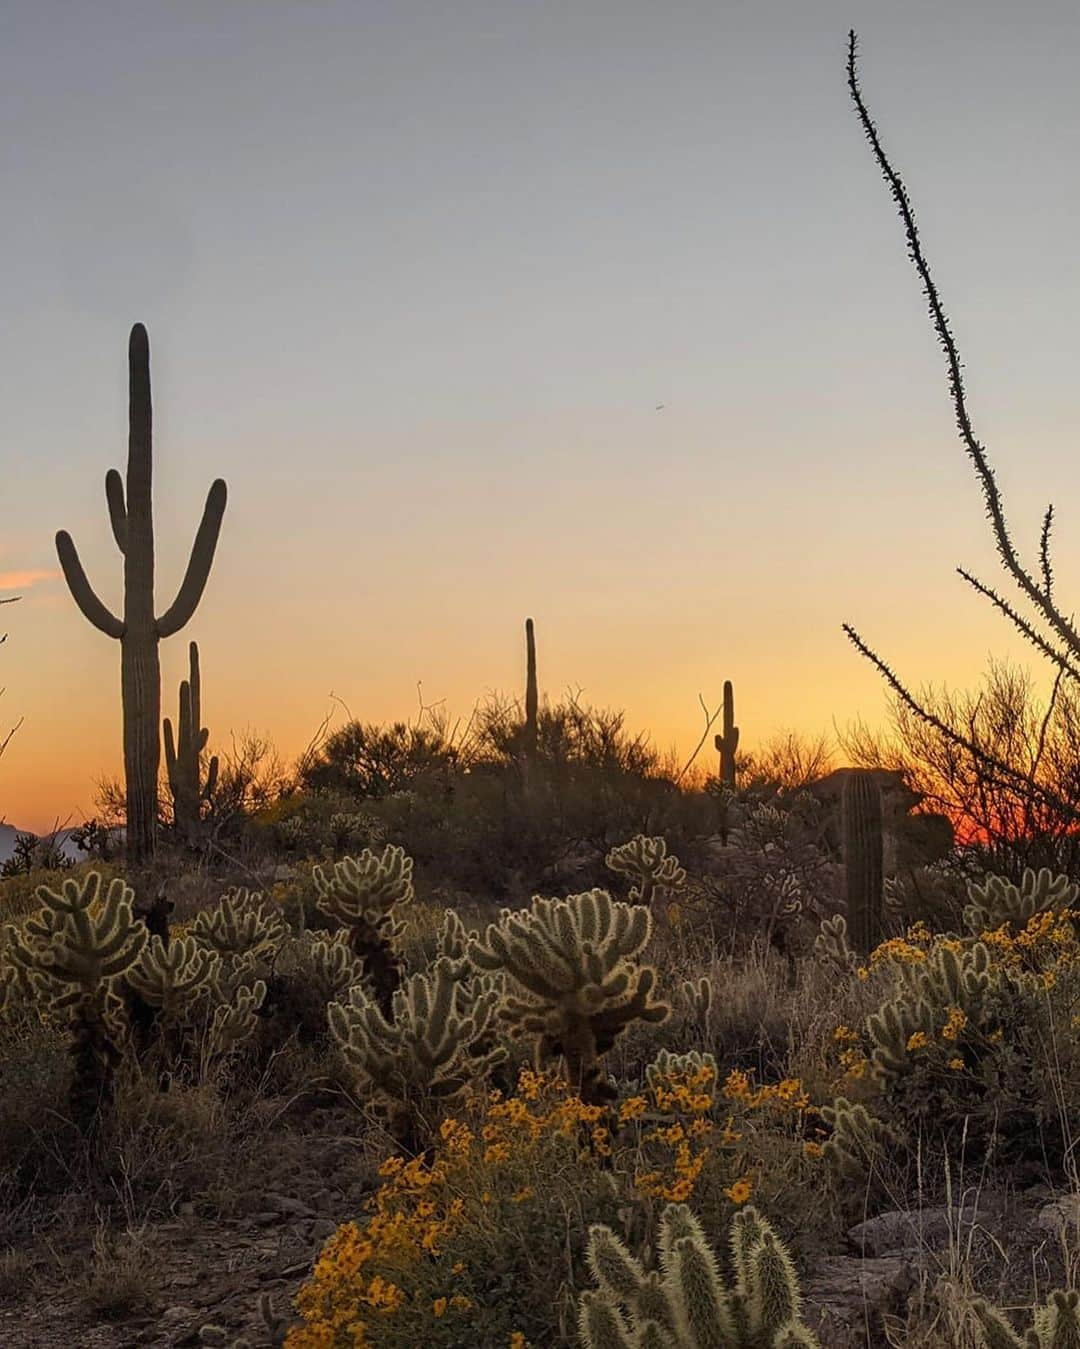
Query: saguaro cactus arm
(114, 496)
(82, 592)
(199, 564)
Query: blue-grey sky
(416, 277)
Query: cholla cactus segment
(689, 1305)
(666, 1065)
(655, 873)
(170, 977)
(235, 1021)
(859, 1140)
(244, 922)
(927, 992)
(431, 1048)
(365, 889)
(333, 968)
(453, 942)
(362, 893)
(1056, 1325)
(78, 942)
(696, 996)
(831, 945)
(998, 901)
(573, 961)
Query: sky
(416, 278)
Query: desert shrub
(484, 1239)
(366, 761)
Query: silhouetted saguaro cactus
(863, 865)
(139, 630)
(532, 697)
(728, 742)
(183, 756)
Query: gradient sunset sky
(416, 277)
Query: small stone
(1059, 1216)
(322, 1229)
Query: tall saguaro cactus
(728, 742)
(183, 754)
(863, 859)
(140, 630)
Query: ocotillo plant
(183, 755)
(728, 741)
(140, 630)
(863, 860)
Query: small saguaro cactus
(687, 1304)
(863, 860)
(140, 629)
(579, 983)
(532, 697)
(183, 754)
(727, 742)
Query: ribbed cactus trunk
(140, 668)
(861, 817)
(139, 631)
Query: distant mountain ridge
(9, 832)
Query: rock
(847, 1295)
(1060, 1215)
(296, 1208)
(322, 1229)
(267, 1219)
(902, 1231)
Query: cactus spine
(140, 630)
(863, 860)
(728, 742)
(183, 755)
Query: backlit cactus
(243, 922)
(831, 945)
(863, 860)
(140, 629)
(362, 893)
(72, 953)
(999, 901)
(688, 1304)
(578, 982)
(183, 755)
(656, 873)
(859, 1141)
(530, 730)
(427, 1053)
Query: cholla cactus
(243, 922)
(831, 945)
(688, 1305)
(667, 1065)
(235, 1021)
(183, 755)
(696, 997)
(333, 967)
(998, 901)
(72, 953)
(1056, 1325)
(580, 986)
(430, 1050)
(947, 979)
(859, 1140)
(656, 874)
(362, 893)
(171, 976)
